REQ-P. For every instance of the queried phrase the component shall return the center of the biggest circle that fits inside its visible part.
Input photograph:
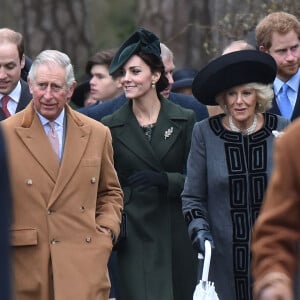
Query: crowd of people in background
(110, 187)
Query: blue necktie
(284, 102)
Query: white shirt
(14, 96)
(59, 127)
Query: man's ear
(71, 89)
(22, 63)
(263, 49)
(29, 85)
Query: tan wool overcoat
(58, 251)
(276, 234)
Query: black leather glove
(147, 178)
(198, 238)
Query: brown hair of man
(100, 58)
(14, 37)
(280, 22)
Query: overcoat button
(93, 180)
(82, 208)
(88, 239)
(29, 181)
(53, 242)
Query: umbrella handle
(206, 262)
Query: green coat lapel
(167, 129)
(126, 130)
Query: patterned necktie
(53, 138)
(4, 101)
(284, 102)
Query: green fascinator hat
(141, 40)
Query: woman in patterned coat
(229, 164)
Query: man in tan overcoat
(66, 205)
(276, 234)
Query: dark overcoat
(157, 260)
(4, 223)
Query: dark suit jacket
(296, 111)
(25, 98)
(4, 224)
(98, 111)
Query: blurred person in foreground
(276, 234)
(151, 140)
(229, 164)
(14, 91)
(97, 112)
(66, 197)
(5, 218)
(278, 34)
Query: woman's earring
(153, 85)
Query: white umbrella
(205, 290)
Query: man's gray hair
(166, 53)
(53, 58)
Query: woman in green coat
(151, 140)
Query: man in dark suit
(278, 34)
(98, 111)
(12, 61)
(4, 224)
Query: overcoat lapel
(165, 134)
(76, 138)
(33, 136)
(2, 115)
(25, 96)
(133, 137)
(296, 111)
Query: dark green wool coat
(157, 261)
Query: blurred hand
(276, 292)
(147, 178)
(273, 286)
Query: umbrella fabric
(205, 290)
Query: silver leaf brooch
(168, 132)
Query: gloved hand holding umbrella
(205, 290)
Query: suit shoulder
(176, 109)
(182, 99)
(89, 121)
(108, 118)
